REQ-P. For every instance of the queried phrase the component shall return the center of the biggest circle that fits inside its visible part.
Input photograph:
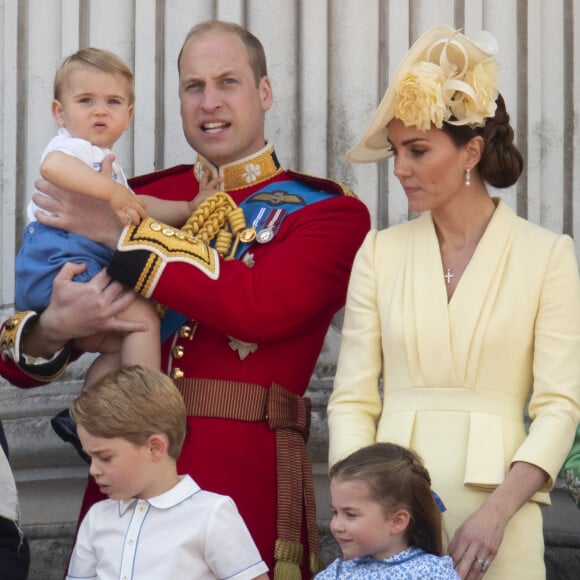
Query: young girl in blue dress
(386, 519)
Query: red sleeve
(15, 375)
(298, 277)
(13, 365)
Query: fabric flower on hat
(443, 89)
(483, 79)
(420, 98)
(445, 77)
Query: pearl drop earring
(468, 177)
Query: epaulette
(140, 180)
(322, 183)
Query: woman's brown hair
(501, 162)
(397, 479)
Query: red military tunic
(260, 320)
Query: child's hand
(207, 187)
(128, 207)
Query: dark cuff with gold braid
(15, 328)
(145, 249)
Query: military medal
(249, 234)
(270, 226)
(264, 236)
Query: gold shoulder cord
(217, 217)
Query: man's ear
(58, 112)
(158, 446)
(400, 521)
(266, 95)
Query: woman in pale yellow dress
(463, 313)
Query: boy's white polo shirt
(183, 533)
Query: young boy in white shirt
(156, 524)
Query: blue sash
(275, 201)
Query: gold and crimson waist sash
(289, 416)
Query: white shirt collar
(182, 490)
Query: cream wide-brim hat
(374, 144)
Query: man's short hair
(96, 58)
(256, 54)
(132, 403)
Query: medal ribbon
(270, 225)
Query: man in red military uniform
(249, 302)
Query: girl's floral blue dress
(410, 564)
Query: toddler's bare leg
(105, 362)
(142, 348)
(136, 348)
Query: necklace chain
(463, 257)
(461, 260)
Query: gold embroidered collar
(252, 170)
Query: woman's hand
(476, 542)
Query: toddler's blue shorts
(43, 253)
